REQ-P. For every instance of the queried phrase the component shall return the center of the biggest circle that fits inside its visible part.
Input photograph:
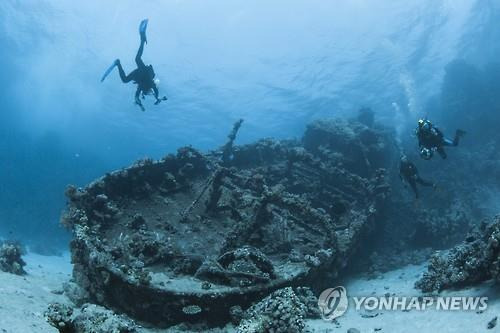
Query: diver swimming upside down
(143, 76)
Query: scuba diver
(408, 172)
(143, 76)
(431, 139)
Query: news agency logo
(333, 303)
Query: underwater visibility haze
(279, 65)
(336, 89)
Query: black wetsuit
(143, 75)
(408, 171)
(433, 138)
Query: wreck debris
(184, 215)
(242, 267)
(492, 323)
(277, 214)
(227, 150)
(191, 310)
(212, 204)
(216, 178)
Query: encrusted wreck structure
(475, 260)
(192, 236)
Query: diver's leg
(442, 153)
(138, 56)
(424, 182)
(142, 30)
(456, 139)
(110, 69)
(125, 78)
(413, 186)
(458, 134)
(142, 33)
(448, 142)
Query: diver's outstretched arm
(155, 90)
(158, 99)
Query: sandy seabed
(24, 299)
(400, 283)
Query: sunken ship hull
(192, 236)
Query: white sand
(24, 299)
(401, 283)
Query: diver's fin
(143, 25)
(109, 70)
(142, 30)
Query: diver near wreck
(143, 76)
(408, 172)
(431, 139)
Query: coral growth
(10, 258)
(282, 311)
(476, 259)
(88, 318)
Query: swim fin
(142, 30)
(109, 70)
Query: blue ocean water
(276, 64)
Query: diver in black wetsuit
(408, 172)
(143, 76)
(431, 139)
